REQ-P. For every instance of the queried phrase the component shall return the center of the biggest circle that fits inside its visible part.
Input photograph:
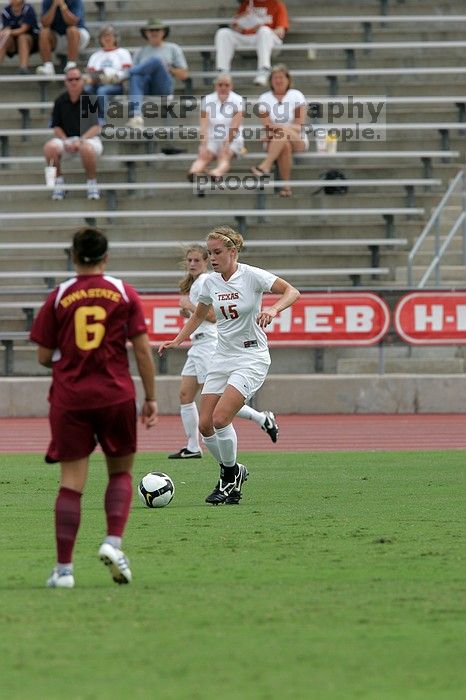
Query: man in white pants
(259, 25)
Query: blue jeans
(148, 78)
(103, 92)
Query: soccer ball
(156, 490)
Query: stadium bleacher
(414, 60)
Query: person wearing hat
(154, 68)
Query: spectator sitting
(283, 111)
(259, 25)
(74, 134)
(106, 67)
(220, 128)
(20, 33)
(63, 31)
(155, 66)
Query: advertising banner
(317, 319)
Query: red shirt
(271, 13)
(87, 321)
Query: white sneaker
(70, 65)
(262, 78)
(59, 190)
(117, 562)
(135, 122)
(65, 579)
(92, 190)
(46, 69)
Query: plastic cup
(321, 140)
(331, 143)
(50, 175)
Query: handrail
(437, 258)
(434, 219)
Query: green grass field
(341, 575)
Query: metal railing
(433, 227)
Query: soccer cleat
(92, 190)
(184, 453)
(270, 426)
(62, 579)
(117, 563)
(235, 496)
(223, 490)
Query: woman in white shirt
(196, 367)
(283, 113)
(241, 360)
(220, 134)
(106, 67)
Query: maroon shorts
(76, 432)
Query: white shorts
(62, 42)
(95, 142)
(198, 361)
(215, 146)
(247, 380)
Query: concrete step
(454, 275)
(187, 199)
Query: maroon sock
(118, 502)
(67, 519)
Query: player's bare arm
(146, 368)
(289, 295)
(199, 315)
(44, 356)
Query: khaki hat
(155, 24)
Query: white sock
(190, 420)
(114, 541)
(227, 445)
(251, 414)
(65, 569)
(212, 445)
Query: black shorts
(34, 47)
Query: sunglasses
(73, 80)
(224, 84)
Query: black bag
(334, 175)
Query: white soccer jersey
(237, 304)
(208, 329)
(281, 111)
(220, 114)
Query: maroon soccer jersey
(87, 321)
